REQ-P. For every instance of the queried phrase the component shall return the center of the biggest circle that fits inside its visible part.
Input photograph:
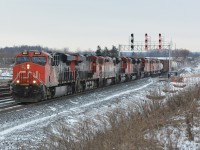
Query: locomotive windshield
(22, 59)
(41, 60)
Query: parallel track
(6, 99)
(4, 92)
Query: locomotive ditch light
(34, 81)
(17, 81)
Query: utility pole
(119, 50)
(169, 47)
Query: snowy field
(28, 124)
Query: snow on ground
(28, 124)
(178, 134)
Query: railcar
(165, 64)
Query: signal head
(132, 47)
(132, 35)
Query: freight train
(39, 76)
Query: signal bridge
(146, 45)
(141, 46)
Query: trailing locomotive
(40, 75)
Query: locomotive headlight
(34, 81)
(28, 66)
(17, 81)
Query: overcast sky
(84, 24)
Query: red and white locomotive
(40, 75)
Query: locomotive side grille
(68, 76)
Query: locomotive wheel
(48, 94)
(113, 80)
(51, 93)
(40, 97)
(44, 93)
(104, 82)
(97, 82)
(131, 77)
(73, 88)
(119, 79)
(83, 86)
(139, 76)
(127, 78)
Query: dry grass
(176, 79)
(130, 129)
(179, 86)
(169, 91)
(152, 97)
(155, 94)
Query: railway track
(4, 91)
(7, 102)
(6, 99)
(11, 105)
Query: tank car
(165, 64)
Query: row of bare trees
(7, 54)
(114, 52)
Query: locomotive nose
(24, 73)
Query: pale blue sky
(84, 24)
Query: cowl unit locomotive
(39, 76)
